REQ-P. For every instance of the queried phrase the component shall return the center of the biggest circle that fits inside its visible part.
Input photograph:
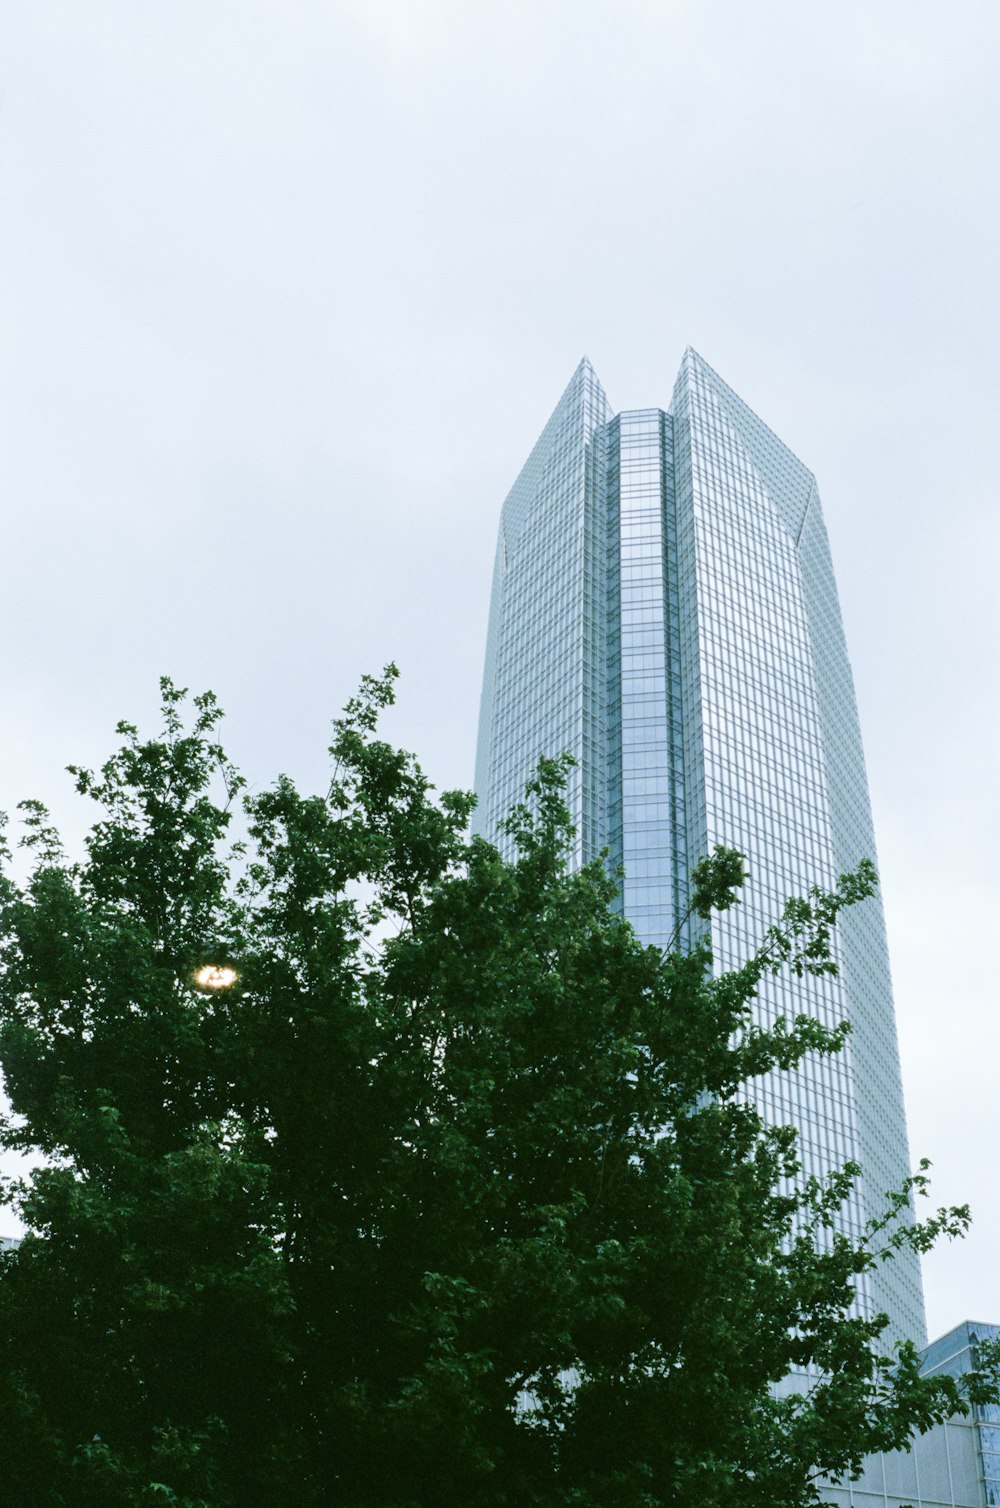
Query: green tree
(451, 1196)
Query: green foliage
(453, 1197)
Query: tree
(448, 1195)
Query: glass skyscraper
(664, 609)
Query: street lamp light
(215, 976)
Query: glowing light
(214, 976)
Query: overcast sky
(289, 290)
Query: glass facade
(543, 684)
(646, 831)
(664, 609)
(956, 1353)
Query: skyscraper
(664, 609)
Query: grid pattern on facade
(864, 989)
(865, 957)
(764, 773)
(646, 833)
(540, 653)
(665, 611)
(957, 1353)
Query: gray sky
(289, 289)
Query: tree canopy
(442, 1189)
